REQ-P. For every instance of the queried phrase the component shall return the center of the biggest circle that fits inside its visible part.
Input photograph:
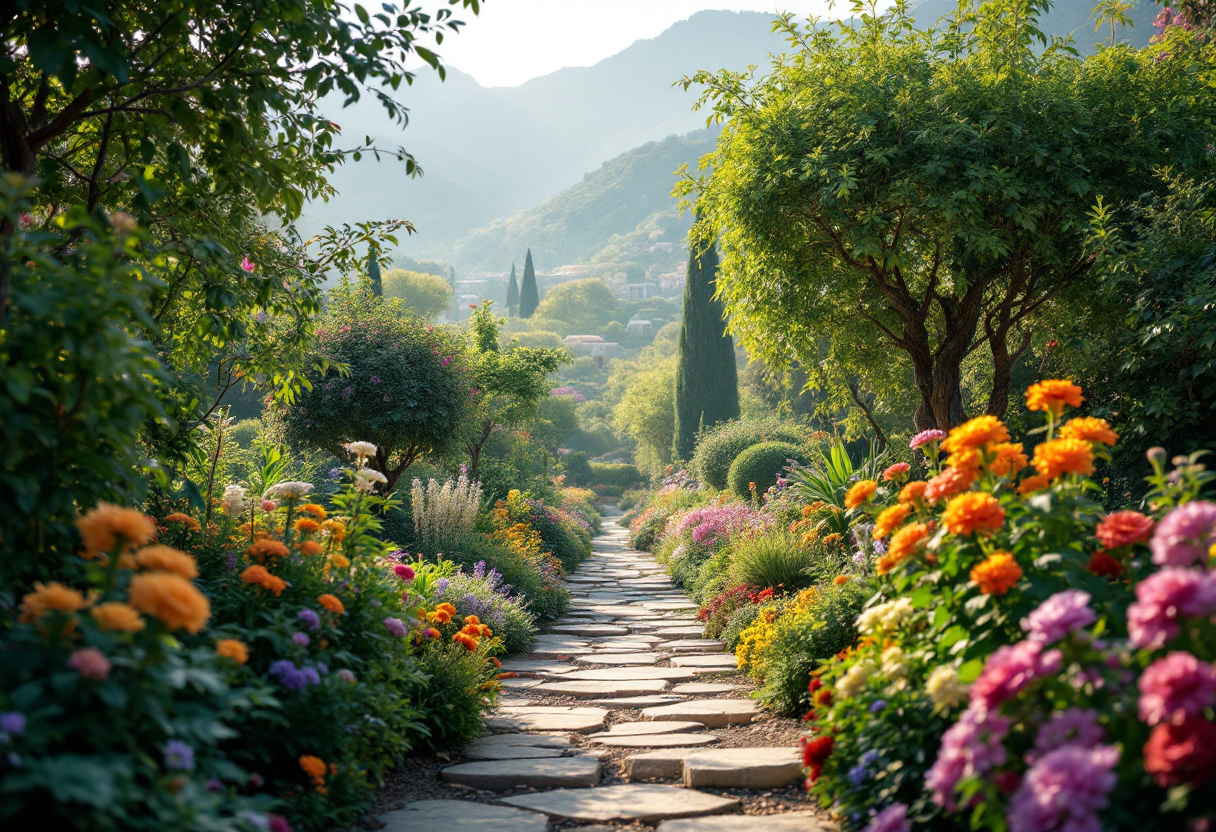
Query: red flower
(815, 753)
(814, 685)
(1123, 528)
(1181, 752)
(1104, 566)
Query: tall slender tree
(707, 382)
(513, 295)
(529, 296)
(373, 273)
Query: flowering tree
(886, 190)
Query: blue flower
(178, 756)
(301, 639)
(310, 618)
(877, 705)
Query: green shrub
(718, 447)
(485, 593)
(578, 469)
(546, 599)
(760, 464)
(456, 694)
(776, 559)
(618, 474)
(739, 621)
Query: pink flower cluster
(1010, 669)
(1163, 598)
(1185, 535)
(715, 525)
(1174, 687)
(925, 437)
(1072, 726)
(1059, 615)
(1065, 790)
(971, 747)
(894, 818)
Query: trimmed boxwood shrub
(760, 464)
(718, 447)
(617, 474)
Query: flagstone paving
(608, 722)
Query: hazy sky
(512, 41)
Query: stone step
(633, 729)
(787, 822)
(715, 662)
(618, 659)
(719, 768)
(710, 712)
(597, 690)
(548, 718)
(636, 702)
(705, 688)
(631, 674)
(430, 815)
(654, 740)
(645, 803)
(500, 775)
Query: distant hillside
(579, 222)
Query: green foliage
(455, 694)
(384, 379)
(619, 474)
(718, 447)
(776, 560)
(543, 594)
(584, 306)
(890, 199)
(529, 295)
(757, 469)
(513, 295)
(373, 273)
(76, 386)
(426, 295)
(826, 477)
(481, 596)
(707, 383)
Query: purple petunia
(1059, 615)
(292, 677)
(178, 756)
(396, 627)
(971, 747)
(309, 618)
(894, 818)
(301, 639)
(1072, 726)
(1010, 669)
(12, 724)
(1065, 790)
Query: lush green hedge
(616, 474)
(718, 447)
(760, 465)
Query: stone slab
(618, 659)
(597, 690)
(536, 666)
(429, 815)
(511, 752)
(647, 803)
(561, 741)
(788, 822)
(717, 662)
(499, 775)
(660, 764)
(590, 629)
(635, 702)
(520, 682)
(743, 768)
(705, 688)
(548, 718)
(653, 740)
(710, 712)
(633, 729)
(632, 674)
(680, 630)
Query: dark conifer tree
(373, 273)
(529, 296)
(707, 383)
(513, 295)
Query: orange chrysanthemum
(315, 768)
(467, 641)
(52, 597)
(1064, 456)
(828, 540)
(336, 529)
(890, 519)
(840, 580)
(266, 547)
(306, 525)
(972, 512)
(103, 527)
(997, 574)
(1010, 459)
(172, 599)
(472, 619)
(117, 617)
(339, 560)
(310, 547)
(913, 492)
(950, 482)
(1089, 429)
(261, 577)
(1031, 484)
(185, 519)
(861, 492)
(975, 434)
(965, 458)
(331, 603)
(167, 559)
(908, 541)
(315, 510)
(1052, 395)
(233, 649)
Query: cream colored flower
(367, 478)
(885, 618)
(944, 688)
(893, 665)
(362, 451)
(289, 491)
(853, 681)
(234, 500)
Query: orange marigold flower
(472, 619)
(913, 491)
(310, 547)
(259, 550)
(1123, 528)
(185, 519)
(861, 492)
(968, 458)
(306, 525)
(261, 577)
(331, 603)
(1064, 456)
(840, 580)
(167, 559)
(908, 541)
(1034, 483)
(315, 510)
(890, 519)
(115, 616)
(886, 563)
(496, 662)
(339, 560)
(468, 641)
(974, 511)
(232, 649)
(442, 616)
(975, 434)
(314, 767)
(828, 540)
(103, 527)
(172, 599)
(446, 607)
(1010, 459)
(1052, 395)
(1089, 429)
(471, 630)
(336, 529)
(950, 482)
(50, 597)
(997, 574)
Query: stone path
(623, 717)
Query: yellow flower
(50, 597)
(339, 560)
(315, 510)
(172, 599)
(1089, 429)
(167, 559)
(890, 519)
(105, 526)
(1064, 456)
(1052, 395)
(117, 617)
(976, 434)
(861, 492)
(231, 648)
(998, 574)
(973, 512)
(306, 525)
(336, 529)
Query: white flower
(885, 618)
(289, 491)
(893, 663)
(944, 688)
(366, 479)
(361, 451)
(853, 681)
(234, 500)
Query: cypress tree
(513, 295)
(373, 273)
(707, 383)
(529, 297)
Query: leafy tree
(513, 295)
(529, 296)
(373, 273)
(707, 381)
(509, 385)
(889, 198)
(646, 413)
(382, 377)
(582, 305)
(426, 294)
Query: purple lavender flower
(231, 561)
(1065, 789)
(880, 547)
(479, 569)
(12, 723)
(335, 474)
(311, 676)
(289, 676)
(323, 668)
(301, 639)
(877, 705)
(178, 756)
(396, 627)
(494, 577)
(309, 618)
(971, 747)
(894, 818)
(441, 586)
(1184, 536)
(1073, 726)
(1059, 615)
(505, 590)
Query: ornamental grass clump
(772, 559)
(444, 515)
